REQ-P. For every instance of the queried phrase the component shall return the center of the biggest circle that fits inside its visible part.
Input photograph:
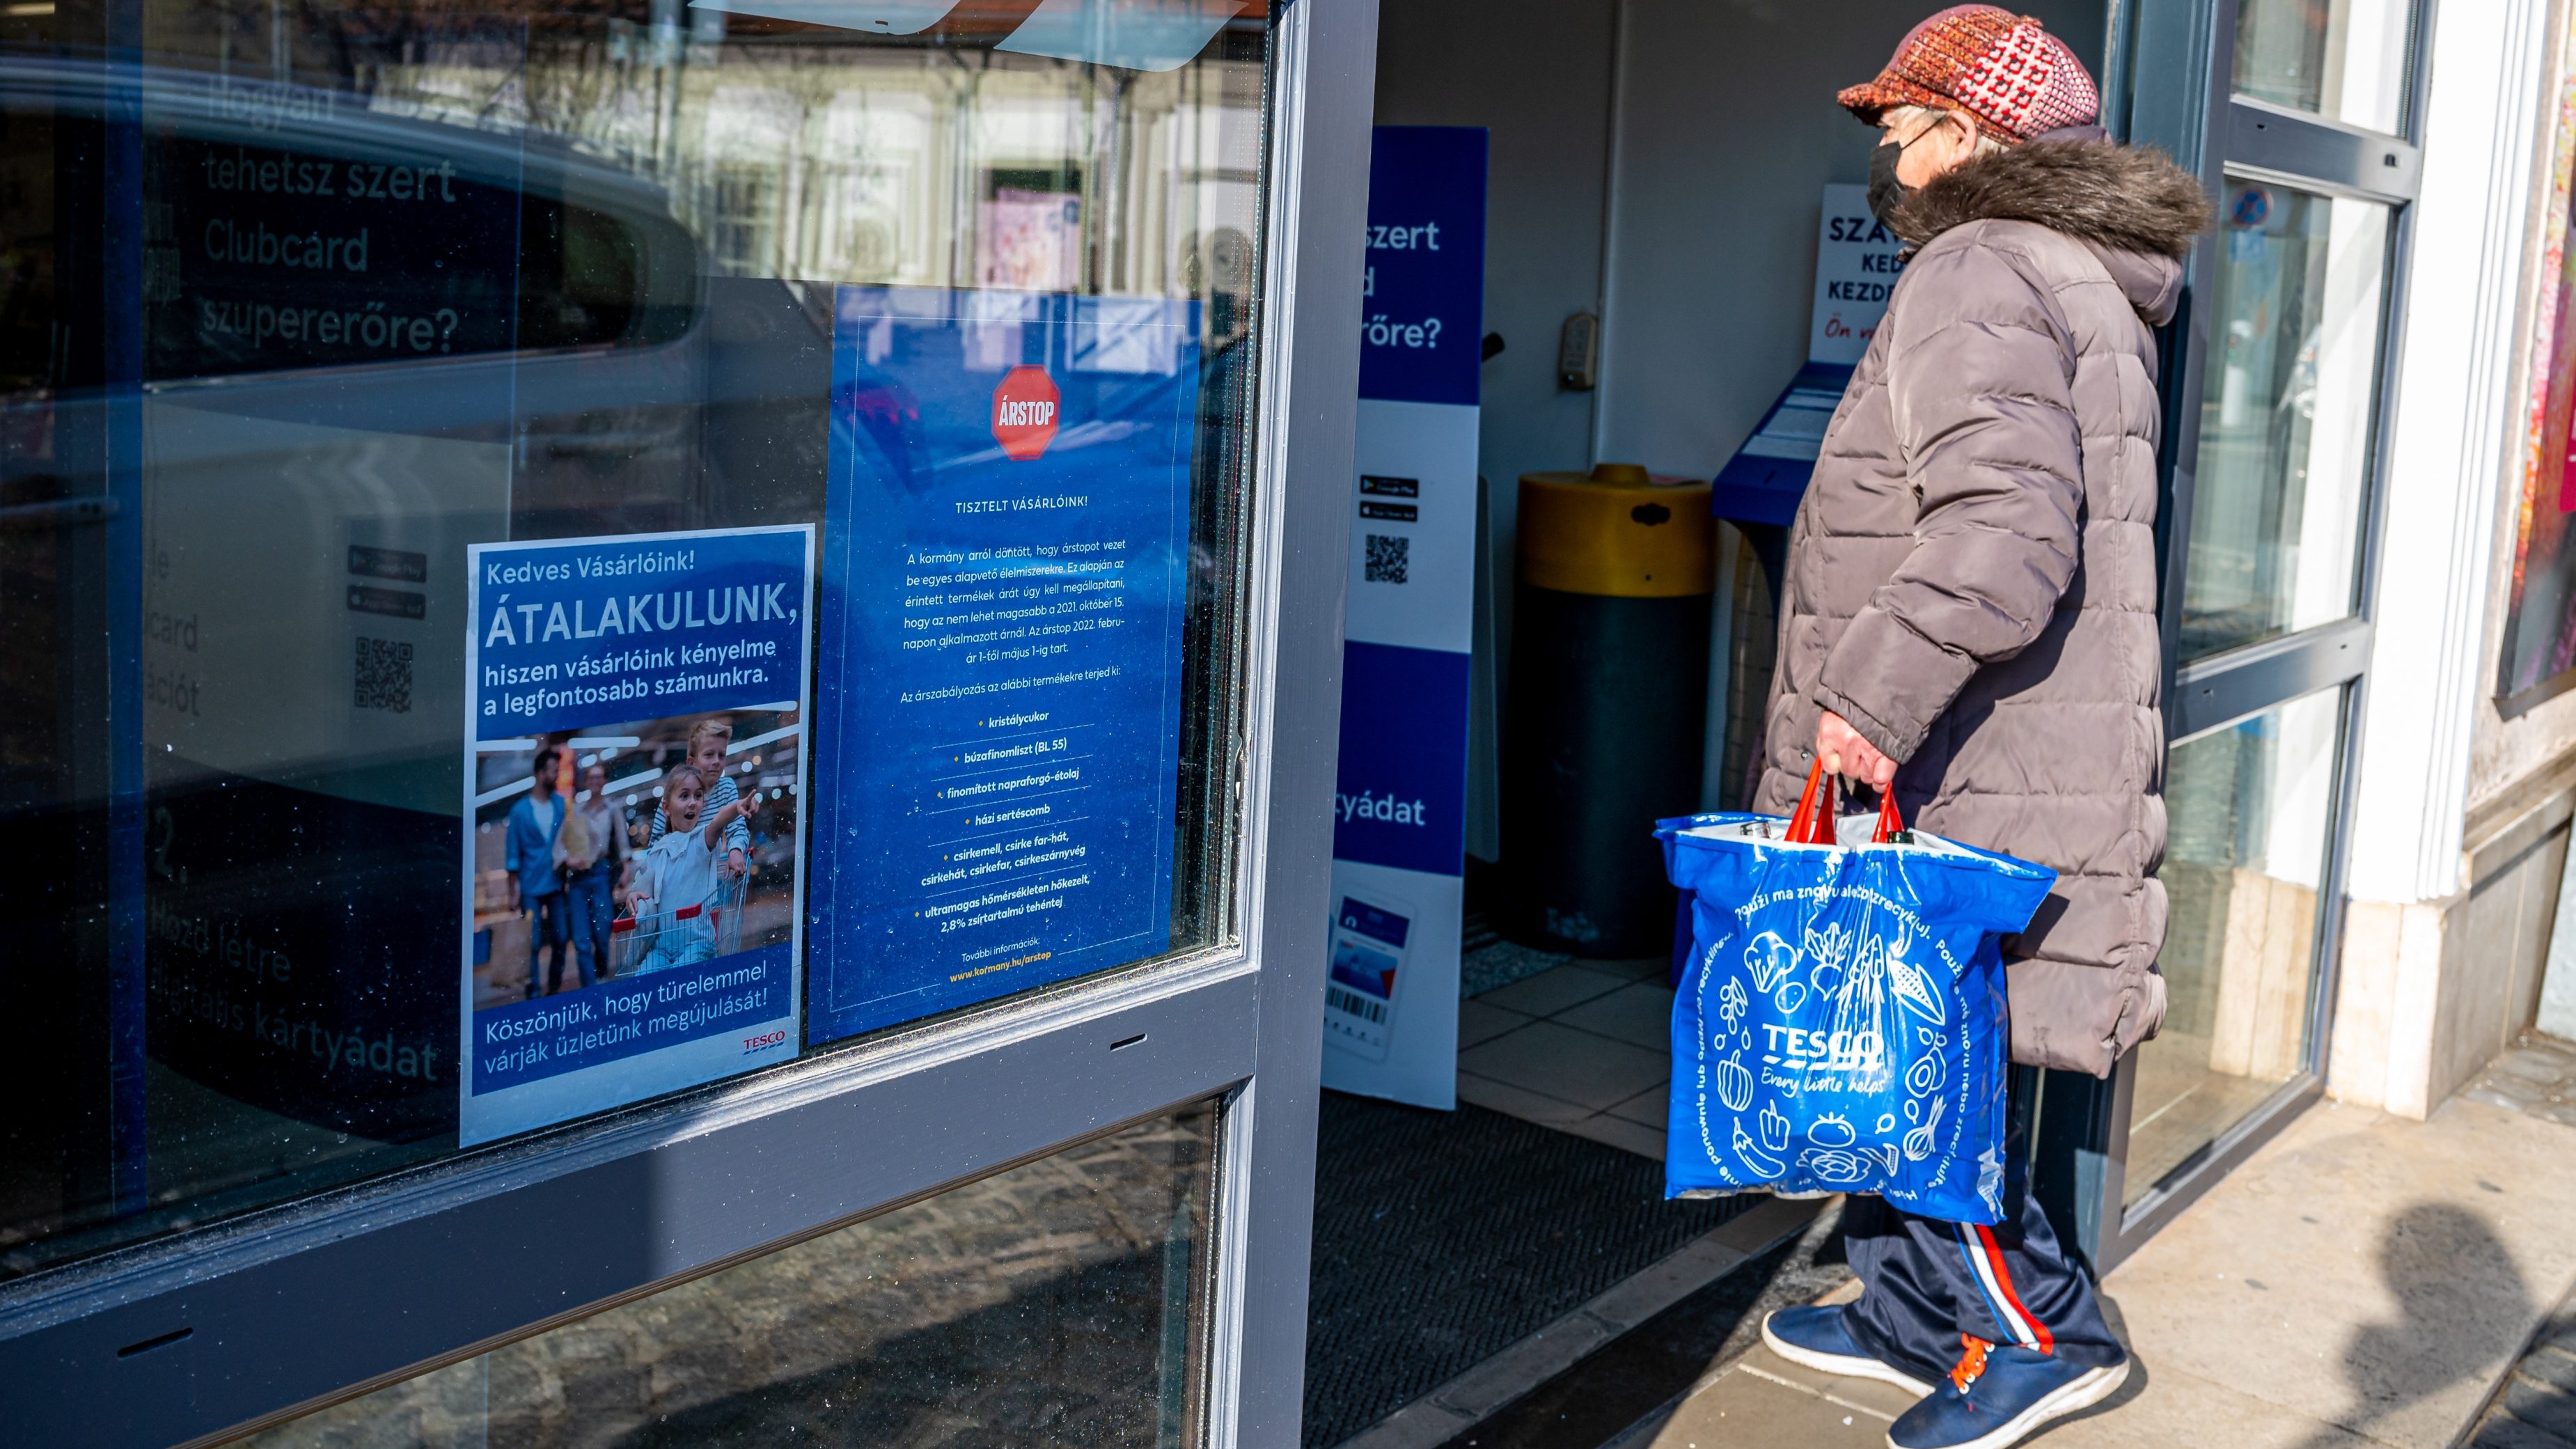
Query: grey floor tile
(1519, 1102)
(2540, 1406)
(1652, 1106)
(1554, 990)
(2500, 1432)
(1621, 1133)
(1642, 968)
(1480, 1020)
(2550, 1365)
(1640, 1014)
(1571, 1065)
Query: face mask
(1886, 193)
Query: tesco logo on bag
(1848, 1051)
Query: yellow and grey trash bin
(1609, 697)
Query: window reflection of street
(583, 286)
(2284, 421)
(2246, 812)
(1059, 1302)
(2340, 58)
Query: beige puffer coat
(1972, 575)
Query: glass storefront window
(2248, 811)
(556, 557)
(1061, 1302)
(2342, 59)
(2285, 415)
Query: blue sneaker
(2000, 1395)
(1814, 1338)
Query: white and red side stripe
(1986, 1264)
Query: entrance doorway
(1657, 166)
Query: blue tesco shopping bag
(1841, 1026)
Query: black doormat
(1653, 1364)
(1442, 1238)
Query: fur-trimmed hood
(2132, 207)
(2120, 198)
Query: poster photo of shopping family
(632, 849)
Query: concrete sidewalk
(2363, 1280)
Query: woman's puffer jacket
(1972, 575)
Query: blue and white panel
(1399, 833)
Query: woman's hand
(1845, 753)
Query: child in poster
(681, 870)
(710, 740)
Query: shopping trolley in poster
(651, 938)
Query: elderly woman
(1969, 619)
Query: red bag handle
(1890, 823)
(1813, 823)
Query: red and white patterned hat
(2004, 69)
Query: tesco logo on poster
(1025, 407)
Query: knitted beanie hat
(2004, 69)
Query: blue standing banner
(1008, 526)
(1399, 834)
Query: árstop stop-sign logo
(1025, 408)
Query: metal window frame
(2213, 693)
(2083, 1134)
(2313, 153)
(196, 1335)
(1327, 77)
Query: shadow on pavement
(2462, 1304)
(2139, 1375)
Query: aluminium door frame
(2085, 1124)
(195, 1335)
(1325, 79)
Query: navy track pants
(1927, 1282)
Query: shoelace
(1972, 1362)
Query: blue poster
(1401, 799)
(636, 711)
(1422, 295)
(1007, 531)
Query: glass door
(676, 662)
(2297, 114)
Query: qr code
(384, 675)
(1387, 556)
